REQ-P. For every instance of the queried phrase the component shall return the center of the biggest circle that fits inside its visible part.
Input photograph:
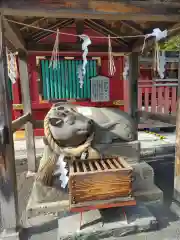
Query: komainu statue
(74, 132)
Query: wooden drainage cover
(93, 182)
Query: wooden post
(133, 86)
(26, 100)
(177, 157)
(9, 217)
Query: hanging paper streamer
(82, 69)
(62, 171)
(111, 65)
(80, 75)
(54, 57)
(12, 66)
(160, 62)
(158, 34)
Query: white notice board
(100, 89)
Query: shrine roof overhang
(114, 18)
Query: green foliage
(172, 44)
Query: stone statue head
(69, 127)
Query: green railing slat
(59, 81)
(74, 78)
(44, 79)
(55, 81)
(70, 79)
(63, 80)
(63, 83)
(47, 79)
(51, 70)
(88, 81)
(94, 68)
(77, 79)
(10, 89)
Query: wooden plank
(43, 34)
(158, 117)
(174, 100)
(160, 99)
(124, 163)
(79, 28)
(84, 167)
(8, 185)
(140, 98)
(105, 184)
(146, 99)
(25, 91)
(166, 100)
(102, 204)
(110, 164)
(75, 47)
(117, 163)
(102, 28)
(153, 99)
(98, 166)
(18, 123)
(96, 10)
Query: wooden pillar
(177, 157)
(32, 70)
(26, 100)
(133, 87)
(9, 217)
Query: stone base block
(114, 222)
(149, 193)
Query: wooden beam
(79, 28)
(134, 26)
(42, 34)
(31, 21)
(18, 123)
(75, 47)
(133, 87)
(158, 117)
(154, 4)
(110, 12)
(137, 46)
(101, 27)
(8, 187)
(13, 34)
(177, 157)
(26, 100)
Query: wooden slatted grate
(98, 165)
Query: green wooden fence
(63, 83)
(10, 89)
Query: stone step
(114, 222)
(148, 193)
(142, 172)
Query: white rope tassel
(111, 65)
(158, 34)
(62, 171)
(82, 71)
(55, 57)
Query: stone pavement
(148, 141)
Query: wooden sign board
(100, 89)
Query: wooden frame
(111, 10)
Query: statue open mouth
(82, 131)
